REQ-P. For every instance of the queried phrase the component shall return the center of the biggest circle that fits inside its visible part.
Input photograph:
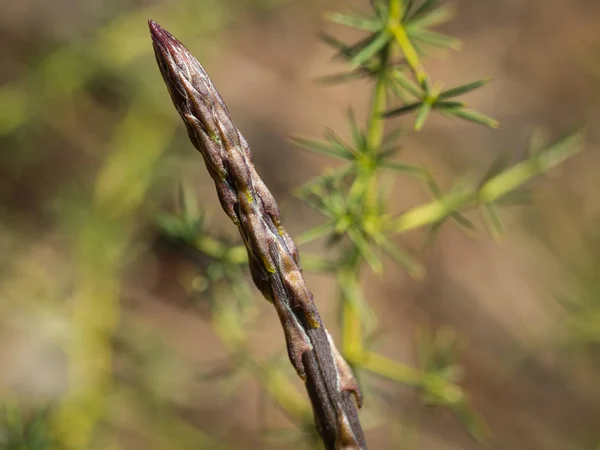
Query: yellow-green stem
(351, 318)
(100, 248)
(375, 124)
(396, 27)
(433, 384)
(352, 338)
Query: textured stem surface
(273, 257)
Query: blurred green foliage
(122, 380)
(19, 430)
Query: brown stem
(272, 255)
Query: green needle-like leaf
(408, 5)
(432, 232)
(492, 220)
(473, 422)
(426, 6)
(343, 77)
(447, 105)
(321, 147)
(345, 52)
(339, 143)
(317, 232)
(365, 250)
(407, 83)
(360, 23)
(414, 268)
(434, 39)
(472, 116)
(314, 200)
(464, 223)
(358, 137)
(378, 41)
(398, 91)
(403, 110)
(391, 137)
(333, 42)
(434, 18)
(331, 177)
(407, 169)
(422, 115)
(460, 90)
(432, 185)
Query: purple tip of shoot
(160, 35)
(171, 54)
(155, 30)
(181, 71)
(165, 43)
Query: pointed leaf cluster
(339, 196)
(219, 262)
(383, 25)
(406, 25)
(361, 158)
(437, 354)
(427, 98)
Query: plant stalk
(272, 255)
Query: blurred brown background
(85, 120)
